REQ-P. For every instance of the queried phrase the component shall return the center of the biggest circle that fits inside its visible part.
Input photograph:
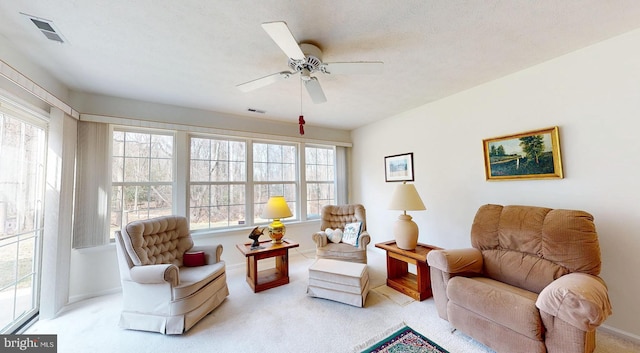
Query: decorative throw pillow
(351, 233)
(193, 258)
(336, 235)
(328, 232)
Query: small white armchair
(160, 293)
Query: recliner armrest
(320, 238)
(212, 253)
(456, 261)
(579, 299)
(364, 240)
(162, 273)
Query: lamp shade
(405, 197)
(276, 208)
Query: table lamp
(406, 198)
(276, 208)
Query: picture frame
(398, 167)
(527, 155)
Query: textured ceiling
(193, 53)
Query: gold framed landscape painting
(527, 155)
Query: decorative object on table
(255, 235)
(527, 155)
(401, 339)
(276, 209)
(406, 198)
(398, 167)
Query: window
(274, 173)
(142, 177)
(22, 158)
(218, 182)
(224, 181)
(320, 179)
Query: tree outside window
(142, 177)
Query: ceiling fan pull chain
(301, 117)
(301, 122)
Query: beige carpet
(393, 295)
(282, 319)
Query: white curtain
(342, 175)
(91, 221)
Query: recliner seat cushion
(192, 279)
(506, 305)
(341, 251)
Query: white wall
(593, 95)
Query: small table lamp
(406, 198)
(276, 208)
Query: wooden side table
(269, 278)
(398, 276)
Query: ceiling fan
(306, 59)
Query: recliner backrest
(335, 217)
(529, 246)
(160, 240)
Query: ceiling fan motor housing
(312, 60)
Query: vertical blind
(91, 223)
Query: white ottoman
(345, 282)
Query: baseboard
(77, 298)
(620, 333)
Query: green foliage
(526, 166)
(532, 146)
(497, 151)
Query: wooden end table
(398, 276)
(269, 278)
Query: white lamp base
(406, 232)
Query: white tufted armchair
(336, 217)
(159, 293)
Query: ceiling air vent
(47, 28)
(258, 111)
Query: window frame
(294, 205)
(145, 184)
(333, 182)
(210, 183)
(181, 183)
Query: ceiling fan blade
(356, 67)
(280, 33)
(314, 90)
(264, 81)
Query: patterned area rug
(404, 340)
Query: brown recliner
(529, 284)
(336, 217)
